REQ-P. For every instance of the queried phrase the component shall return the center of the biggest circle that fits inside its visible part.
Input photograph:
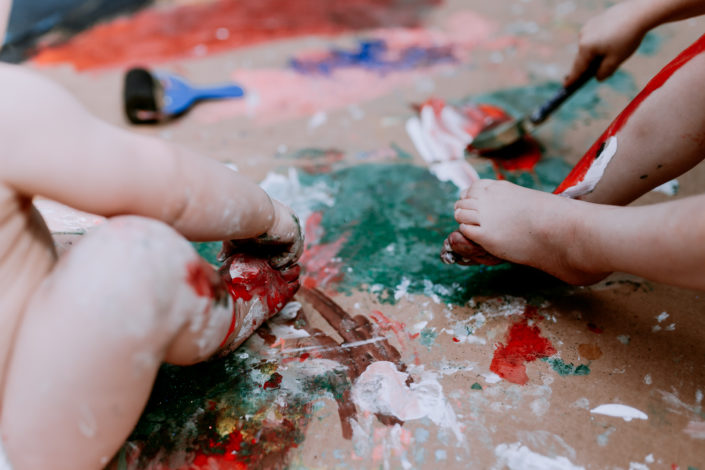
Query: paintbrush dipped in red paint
(508, 133)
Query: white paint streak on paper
(519, 457)
(627, 413)
(695, 429)
(441, 142)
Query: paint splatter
(564, 368)
(590, 351)
(375, 55)
(159, 34)
(524, 344)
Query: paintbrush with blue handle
(151, 98)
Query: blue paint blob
(375, 55)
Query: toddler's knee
(137, 270)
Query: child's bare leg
(581, 242)
(130, 295)
(664, 137)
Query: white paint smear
(669, 188)
(381, 388)
(695, 429)
(627, 413)
(595, 172)
(519, 457)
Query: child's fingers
(467, 216)
(586, 54)
(465, 204)
(607, 67)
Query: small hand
(613, 35)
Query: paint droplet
(455, 340)
(627, 413)
(594, 328)
(647, 379)
(274, 381)
(476, 386)
(590, 352)
(624, 339)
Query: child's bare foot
(523, 226)
(259, 292)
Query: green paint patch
(391, 220)
(211, 409)
(209, 251)
(427, 337)
(476, 386)
(651, 44)
(564, 368)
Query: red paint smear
(524, 344)
(580, 170)
(256, 278)
(521, 156)
(317, 260)
(159, 34)
(202, 278)
(274, 382)
(223, 456)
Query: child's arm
(53, 148)
(616, 33)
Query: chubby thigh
(93, 336)
(26, 256)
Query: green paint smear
(209, 251)
(187, 403)
(393, 219)
(427, 337)
(651, 44)
(476, 386)
(564, 369)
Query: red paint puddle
(580, 170)
(159, 34)
(524, 344)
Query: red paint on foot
(159, 34)
(247, 278)
(580, 170)
(524, 344)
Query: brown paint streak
(356, 359)
(590, 351)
